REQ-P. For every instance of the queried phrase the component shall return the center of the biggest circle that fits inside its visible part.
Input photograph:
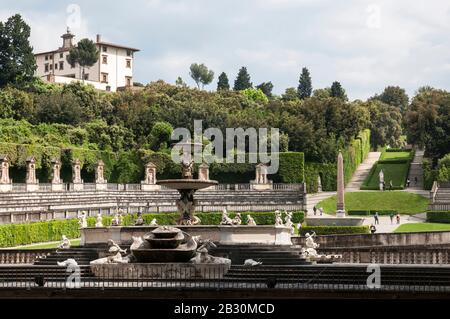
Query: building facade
(112, 71)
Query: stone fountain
(187, 186)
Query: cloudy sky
(366, 45)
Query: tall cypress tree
(337, 90)
(242, 81)
(304, 89)
(17, 62)
(223, 84)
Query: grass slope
(404, 203)
(73, 243)
(421, 227)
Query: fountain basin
(164, 271)
(186, 184)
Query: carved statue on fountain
(278, 219)
(65, 243)
(186, 205)
(226, 220)
(288, 221)
(99, 221)
(139, 220)
(250, 221)
(187, 165)
(202, 255)
(115, 255)
(82, 220)
(237, 220)
(311, 245)
(154, 222)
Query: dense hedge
(429, 174)
(371, 212)
(438, 217)
(22, 234)
(353, 155)
(331, 230)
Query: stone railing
(391, 255)
(14, 257)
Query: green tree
(242, 81)
(322, 93)
(266, 88)
(337, 91)
(395, 96)
(17, 62)
(444, 169)
(179, 82)
(201, 74)
(160, 136)
(255, 95)
(85, 54)
(385, 124)
(223, 84)
(58, 107)
(304, 89)
(290, 94)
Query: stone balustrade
(16, 257)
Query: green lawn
(73, 242)
(421, 227)
(395, 155)
(404, 203)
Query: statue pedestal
(340, 213)
(261, 187)
(5, 188)
(57, 187)
(78, 186)
(381, 186)
(101, 186)
(32, 187)
(150, 187)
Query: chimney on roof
(99, 38)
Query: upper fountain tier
(186, 184)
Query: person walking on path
(315, 210)
(376, 218)
(415, 181)
(373, 229)
(398, 218)
(392, 218)
(408, 182)
(321, 211)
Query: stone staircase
(80, 254)
(416, 171)
(362, 171)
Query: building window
(129, 53)
(61, 65)
(108, 88)
(51, 66)
(128, 80)
(105, 49)
(104, 77)
(104, 59)
(46, 67)
(46, 58)
(86, 76)
(61, 55)
(56, 66)
(128, 63)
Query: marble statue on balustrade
(76, 175)
(278, 219)
(288, 222)
(64, 243)
(99, 220)
(203, 172)
(261, 181)
(57, 183)
(226, 220)
(149, 182)
(118, 218)
(139, 220)
(82, 220)
(32, 183)
(250, 221)
(100, 181)
(5, 181)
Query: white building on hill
(112, 71)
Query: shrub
(438, 217)
(331, 230)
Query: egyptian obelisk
(340, 205)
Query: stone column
(149, 182)
(261, 181)
(32, 183)
(5, 181)
(76, 175)
(57, 184)
(100, 181)
(340, 204)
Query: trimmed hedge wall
(353, 155)
(23, 234)
(429, 174)
(128, 166)
(331, 230)
(438, 217)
